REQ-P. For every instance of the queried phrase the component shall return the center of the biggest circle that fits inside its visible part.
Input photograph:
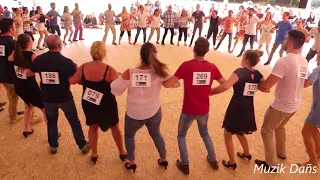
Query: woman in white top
(266, 35)
(18, 21)
(155, 25)
(183, 21)
(67, 19)
(143, 101)
(300, 27)
(41, 18)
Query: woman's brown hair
(22, 43)
(148, 57)
(253, 56)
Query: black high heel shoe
(133, 167)
(163, 163)
(26, 133)
(228, 165)
(241, 155)
(94, 159)
(123, 157)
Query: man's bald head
(54, 42)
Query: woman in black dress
(239, 118)
(25, 84)
(214, 26)
(98, 103)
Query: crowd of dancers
(102, 82)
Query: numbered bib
(201, 78)
(141, 80)
(250, 89)
(21, 73)
(92, 96)
(50, 77)
(302, 72)
(2, 50)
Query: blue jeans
(131, 126)
(144, 34)
(184, 124)
(70, 112)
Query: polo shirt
(7, 73)
(283, 29)
(54, 70)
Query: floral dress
(18, 21)
(67, 20)
(125, 22)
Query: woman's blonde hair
(98, 50)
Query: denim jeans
(138, 33)
(131, 126)
(245, 41)
(184, 124)
(70, 112)
(196, 26)
(222, 38)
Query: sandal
(20, 112)
(228, 165)
(27, 133)
(241, 155)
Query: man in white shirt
(289, 73)
(109, 14)
(142, 24)
(251, 30)
(315, 32)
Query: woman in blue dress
(310, 131)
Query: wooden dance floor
(30, 158)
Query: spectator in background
(31, 14)
(76, 13)
(54, 21)
(310, 20)
(1, 13)
(6, 13)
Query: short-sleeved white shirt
(316, 35)
(288, 93)
(251, 28)
(142, 19)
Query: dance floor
(30, 158)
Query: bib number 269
(201, 78)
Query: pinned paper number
(50, 77)
(302, 72)
(201, 78)
(21, 73)
(92, 96)
(250, 89)
(2, 50)
(141, 80)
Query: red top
(197, 86)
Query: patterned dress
(18, 21)
(126, 24)
(67, 19)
